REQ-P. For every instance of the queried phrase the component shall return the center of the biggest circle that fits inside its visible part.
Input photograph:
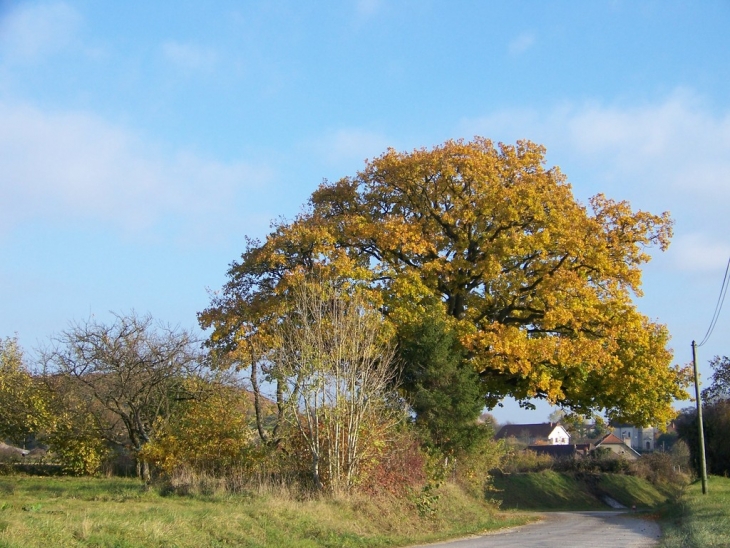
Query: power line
(718, 306)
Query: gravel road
(568, 530)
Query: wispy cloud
(33, 30)
(674, 143)
(677, 142)
(672, 154)
(189, 56)
(350, 145)
(368, 8)
(67, 166)
(521, 43)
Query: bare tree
(338, 372)
(132, 372)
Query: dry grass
(60, 512)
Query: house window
(648, 445)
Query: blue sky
(140, 142)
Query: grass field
(115, 512)
(549, 490)
(695, 520)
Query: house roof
(610, 439)
(542, 430)
(5, 448)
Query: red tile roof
(610, 439)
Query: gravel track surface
(568, 530)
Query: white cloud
(521, 43)
(350, 145)
(76, 166)
(672, 154)
(676, 144)
(33, 30)
(189, 56)
(676, 138)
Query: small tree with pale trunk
(339, 372)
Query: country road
(569, 530)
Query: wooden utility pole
(703, 462)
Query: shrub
(661, 468)
(397, 466)
(208, 436)
(473, 467)
(516, 461)
(76, 445)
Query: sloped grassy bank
(549, 490)
(64, 511)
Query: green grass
(549, 490)
(632, 491)
(697, 520)
(545, 490)
(60, 512)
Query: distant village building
(554, 440)
(640, 439)
(547, 433)
(619, 447)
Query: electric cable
(718, 306)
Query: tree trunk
(143, 470)
(257, 402)
(146, 476)
(315, 472)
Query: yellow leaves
(23, 403)
(209, 434)
(627, 372)
(538, 285)
(76, 443)
(626, 236)
(394, 235)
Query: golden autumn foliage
(538, 286)
(75, 442)
(208, 434)
(23, 404)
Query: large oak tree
(537, 286)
